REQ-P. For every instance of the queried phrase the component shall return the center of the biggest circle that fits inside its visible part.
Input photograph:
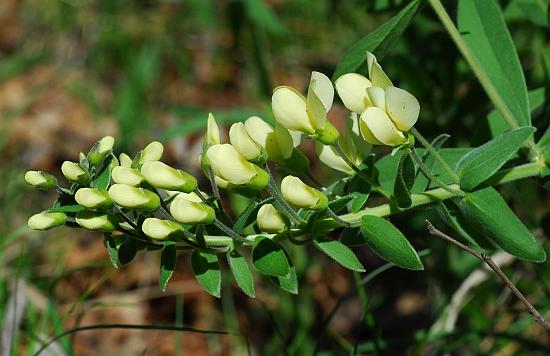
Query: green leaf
(498, 126)
(103, 179)
(127, 251)
(167, 264)
(483, 161)
(358, 201)
(269, 257)
(289, 282)
(487, 212)
(351, 236)
(359, 189)
(112, 250)
(339, 252)
(483, 28)
(450, 213)
(378, 42)
(241, 272)
(207, 271)
(388, 242)
(422, 182)
(73, 208)
(340, 202)
(404, 180)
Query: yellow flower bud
(46, 220)
(74, 173)
(101, 149)
(245, 145)
(41, 180)
(300, 195)
(307, 115)
(93, 198)
(212, 131)
(96, 221)
(277, 142)
(151, 152)
(229, 165)
(127, 175)
(125, 160)
(269, 220)
(133, 198)
(158, 229)
(191, 212)
(161, 175)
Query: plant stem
(489, 261)
(484, 80)
(435, 154)
(229, 231)
(274, 191)
(430, 175)
(440, 194)
(356, 169)
(337, 218)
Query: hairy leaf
(404, 180)
(269, 257)
(167, 264)
(339, 252)
(241, 272)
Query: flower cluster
(143, 199)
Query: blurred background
(72, 71)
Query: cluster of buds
(144, 196)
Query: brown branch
(489, 261)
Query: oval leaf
(482, 162)
(241, 272)
(207, 271)
(404, 180)
(269, 258)
(110, 245)
(167, 264)
(339, 252)
(377, 42)
(127, 251)
(487, 212)
(289, 282)
(388, 242)
(486, 35)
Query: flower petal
(377, 97)
(329, 156)
(351, 88)
(376, 74)
(228, 164)
(402, 107)
(382, 127)
(322, 86)
(289, 109)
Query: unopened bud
(191, 212)
(245, 145)
(93, 198)
(269, 219)
(125, 160)
(158, 229)
(46, 220)
(162, 176)
(74, 173)
(151, 152)
(127, 175)
(133, 198)
(300, 195)
(96, 221)
(41, 180)
(101, 149)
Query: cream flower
(41, 180)
(158, 229)
(46, 220)
(161, 175)
(93, 198)
(96, 221)
(188, 211)
(269, 219)
(300, 195)
(133, 198)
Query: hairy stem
(489, 261)
(274, 191)
(431, 176)
(356, 169)
(428, 146)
